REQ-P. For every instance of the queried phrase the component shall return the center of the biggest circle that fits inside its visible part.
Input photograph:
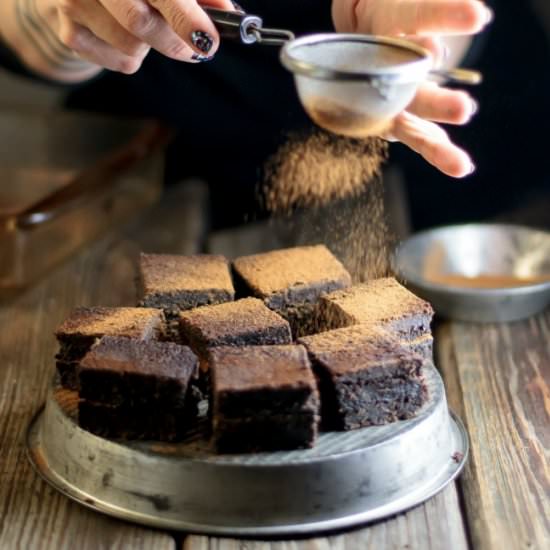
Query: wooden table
(497, 377)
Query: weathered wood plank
(31, 514)
(498, 379)
(436, 525)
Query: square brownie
(143, 423)
(380, 303)
(423, 346)
(137, 390)
(366, 377)
(128, 372)
(290, 281)
(177, 283)
(85, 325)
(246, 322)
(265, 398)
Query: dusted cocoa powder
(330, 190)
(317, 168)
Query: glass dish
(67, 178)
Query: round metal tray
(347, 479)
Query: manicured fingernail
(472, 168)
(475, 107)
(201, 58)
(489, 15)
(237, 7)
(202, 41)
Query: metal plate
(347, 479)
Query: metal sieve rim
(413, 71)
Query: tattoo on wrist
(43, 39)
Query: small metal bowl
(470, 251)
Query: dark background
(233, 112)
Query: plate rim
(417, 496)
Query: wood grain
(435, 525)
(498, 379)
(32, 515)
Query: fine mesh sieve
(349, 84)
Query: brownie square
(265, 398)
(176, 283)
(423, 346)
(366, 377)
(381, 302)
(137, 390)
(140, 423)
(290, 281)
(85, 325)
(127, 372)
(245, 322)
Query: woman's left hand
(425, 22)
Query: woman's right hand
(118, 34)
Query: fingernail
(475, 107)
(201, 58)
(489, 15)
(202, 41)
(237, 7)
(472, 168)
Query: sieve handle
(235, 25)
(463, 76)
(246, 28)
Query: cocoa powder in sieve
(343, 120)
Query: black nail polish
(237, 7)
(202, 41)
(201, 58)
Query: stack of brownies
(130, 385)
(293, 345)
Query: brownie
(265, 398)
(144, 422)
(245, 322)
(366, 377)
(85, 325)
(423, 346)
(128, 372)
(290, 281)
(131, 389)
(177, 283)
(380, 303)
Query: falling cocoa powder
(320, 167)
(330, 189)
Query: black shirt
(233, 112)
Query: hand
(423, 21)
(118, 34)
